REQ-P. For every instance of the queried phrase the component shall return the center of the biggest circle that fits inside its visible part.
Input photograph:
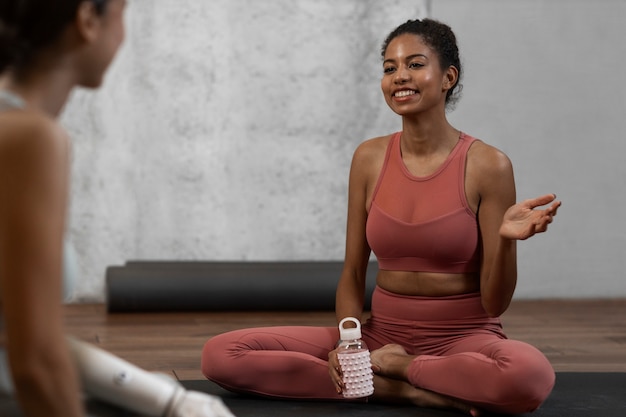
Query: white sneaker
(198, 404)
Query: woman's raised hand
(525, 219)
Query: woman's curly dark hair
(439, 37)
(27, 26)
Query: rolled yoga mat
(207, 285)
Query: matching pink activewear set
(414, 224)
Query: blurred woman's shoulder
(25, 131)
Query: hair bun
(9, 46)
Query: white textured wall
(225, 129)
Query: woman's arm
(496, 189)
(502, 223)
(350, 292)
(33, 187)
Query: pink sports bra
(423, 223)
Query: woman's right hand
(335, 371)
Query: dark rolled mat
(576, 394)
(207, 285)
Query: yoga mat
(206, 285)
(576, 394)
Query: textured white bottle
(354, 359)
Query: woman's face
(412, 80)
(111, 33)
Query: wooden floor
(580, 335)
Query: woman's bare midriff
(427, 284)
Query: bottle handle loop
(352, 319)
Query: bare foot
(391, 360)
(390, 365)
(390, 390)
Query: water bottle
(354, 359)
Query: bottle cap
(350, 333)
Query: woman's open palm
(524, 219)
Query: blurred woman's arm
(33, 185)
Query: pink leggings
(460, 352)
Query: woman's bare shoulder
(27, 134)
(488, 159)
(32, 146)
(372, 149)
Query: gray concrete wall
(545, 84)
(225, 130)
